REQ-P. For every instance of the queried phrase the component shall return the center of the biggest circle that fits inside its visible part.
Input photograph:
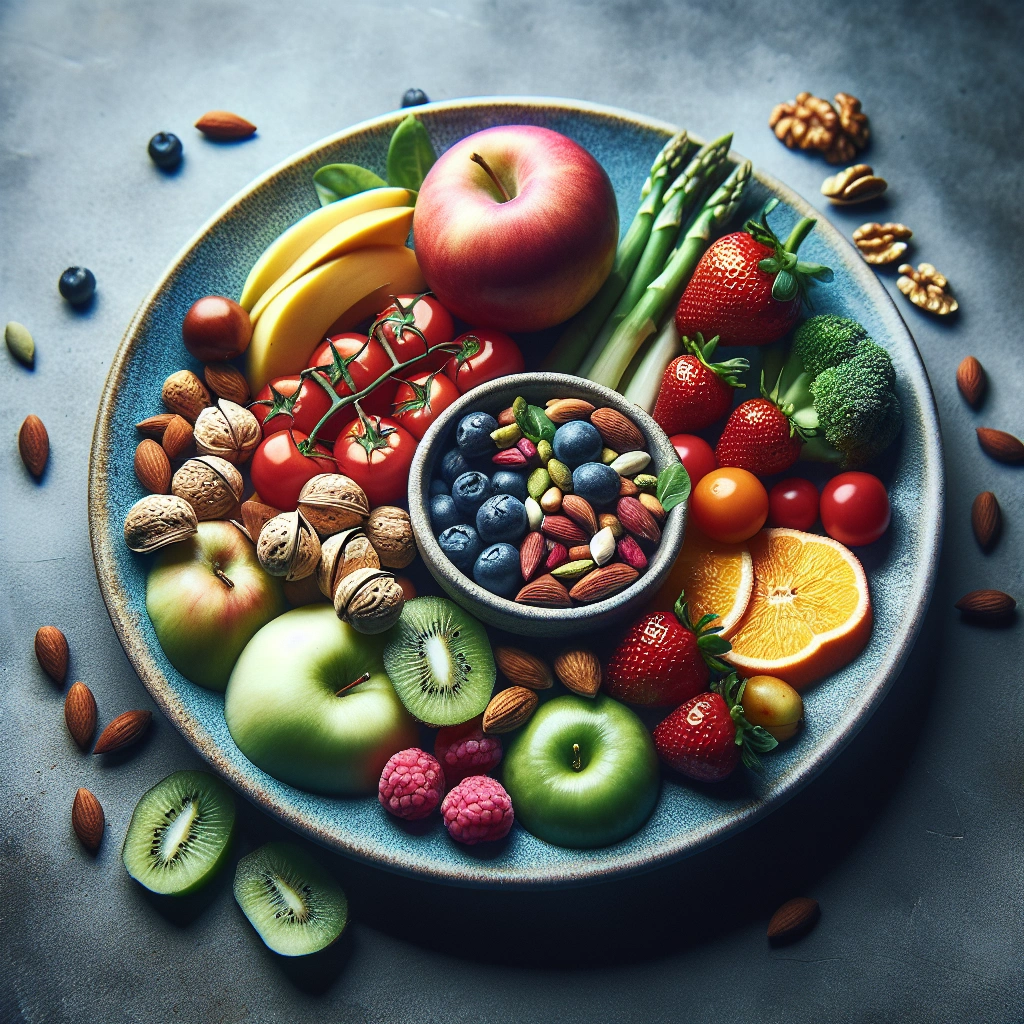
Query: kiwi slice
(440, 662)
(179, 834)
(292, 902)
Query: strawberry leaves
(793, 276)
(728, 371)
(751, 739)
(710, 645)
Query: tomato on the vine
(377, 454)
(696, 455)
(288, 402)
(363, 359)
(729, 505)
(414, 324)
(855, 508)
(279, 470)
(483, 355)
(793, 503)
(419, 401)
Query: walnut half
(812, 123)
(882, 243)
(926, 288)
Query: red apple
(516, 228)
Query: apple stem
(478, 159)
(222, 576)
(577, 761)
(355, 682)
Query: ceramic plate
(901, 567)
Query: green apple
(293, 710)
(582, 772)
(207, 597)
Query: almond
(506, 417)
(972, 381)
(154, 426)
(34, 445)
(546, 591)
(152, 466)
(531, 554)
(123, 731)
(651, 503)
(1000, 445)
(564, 409)
(618, 432)
(87, 819)
(631, 553)
(564, 529)
(579, 552)
(793, 919)
(638, 520)
(986, 520)
(184, 393)
(523, 669)
(579, 670)
(254, 515)
(509, 709)
(603, 582)
(606, 519)
(987, 607)
(225, 126)
(226, 381)
(80, 714)
(52, 653)
(579, 510)
(178, 437)
(558, 554)
(628, 489)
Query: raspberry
(464, 750)
(411, 784)
(477, 810)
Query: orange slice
(715, 577)
(810, 613)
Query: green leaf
(338, 181)
(673, 486)
(410, 155)
(533, 422)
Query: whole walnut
(812, 123)
(390, 531)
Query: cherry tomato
(367, 360)
(696, 455)
(412, 325)
(303, 410)
(484, 355)
(279, 469)
(729, 505)
(793, 503)
(377, 454)
(419, 401)
(855, 508)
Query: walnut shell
(369, 600)
(333, 502)
(158, 520)
(390, 532)
(228, 431)
(184, 393)
(211, 485)
(342, 554)
(288, 546)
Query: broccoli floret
(825, 341)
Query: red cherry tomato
(377, 454)
(696, 455)
(366, 361)
(412, 325)
(302, 410)
(419, 401)
(793, 503)
(484, 355)
(729, 505)
(279, 469)
(855, 508)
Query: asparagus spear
(680, 199)
(665, 289)
(566, 355)
(646, 382)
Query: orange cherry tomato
(729, 505)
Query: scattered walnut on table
(856, 184)
(926, 288)
(812, 123)
(882, 243)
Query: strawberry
(665, 659)
(706, 737)
(759, 437)
(694, 391)
(748, 287)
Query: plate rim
(472, 872)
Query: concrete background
(911, 842)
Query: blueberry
(461, 545)
(577, 442)
(502, 518)
(497, 570)
(438, 486)
(507, 481)
(453, 465)
(414, 98)
(473, 434)
(596, 483)
(77, 285)
(165, 150)
(443, 513)
(470, 491)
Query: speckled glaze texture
(901, 568)
(529, 620)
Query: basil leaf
(534, 423)
(673, 486)
(410, 155)
(338, 181)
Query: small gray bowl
(524, 619)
